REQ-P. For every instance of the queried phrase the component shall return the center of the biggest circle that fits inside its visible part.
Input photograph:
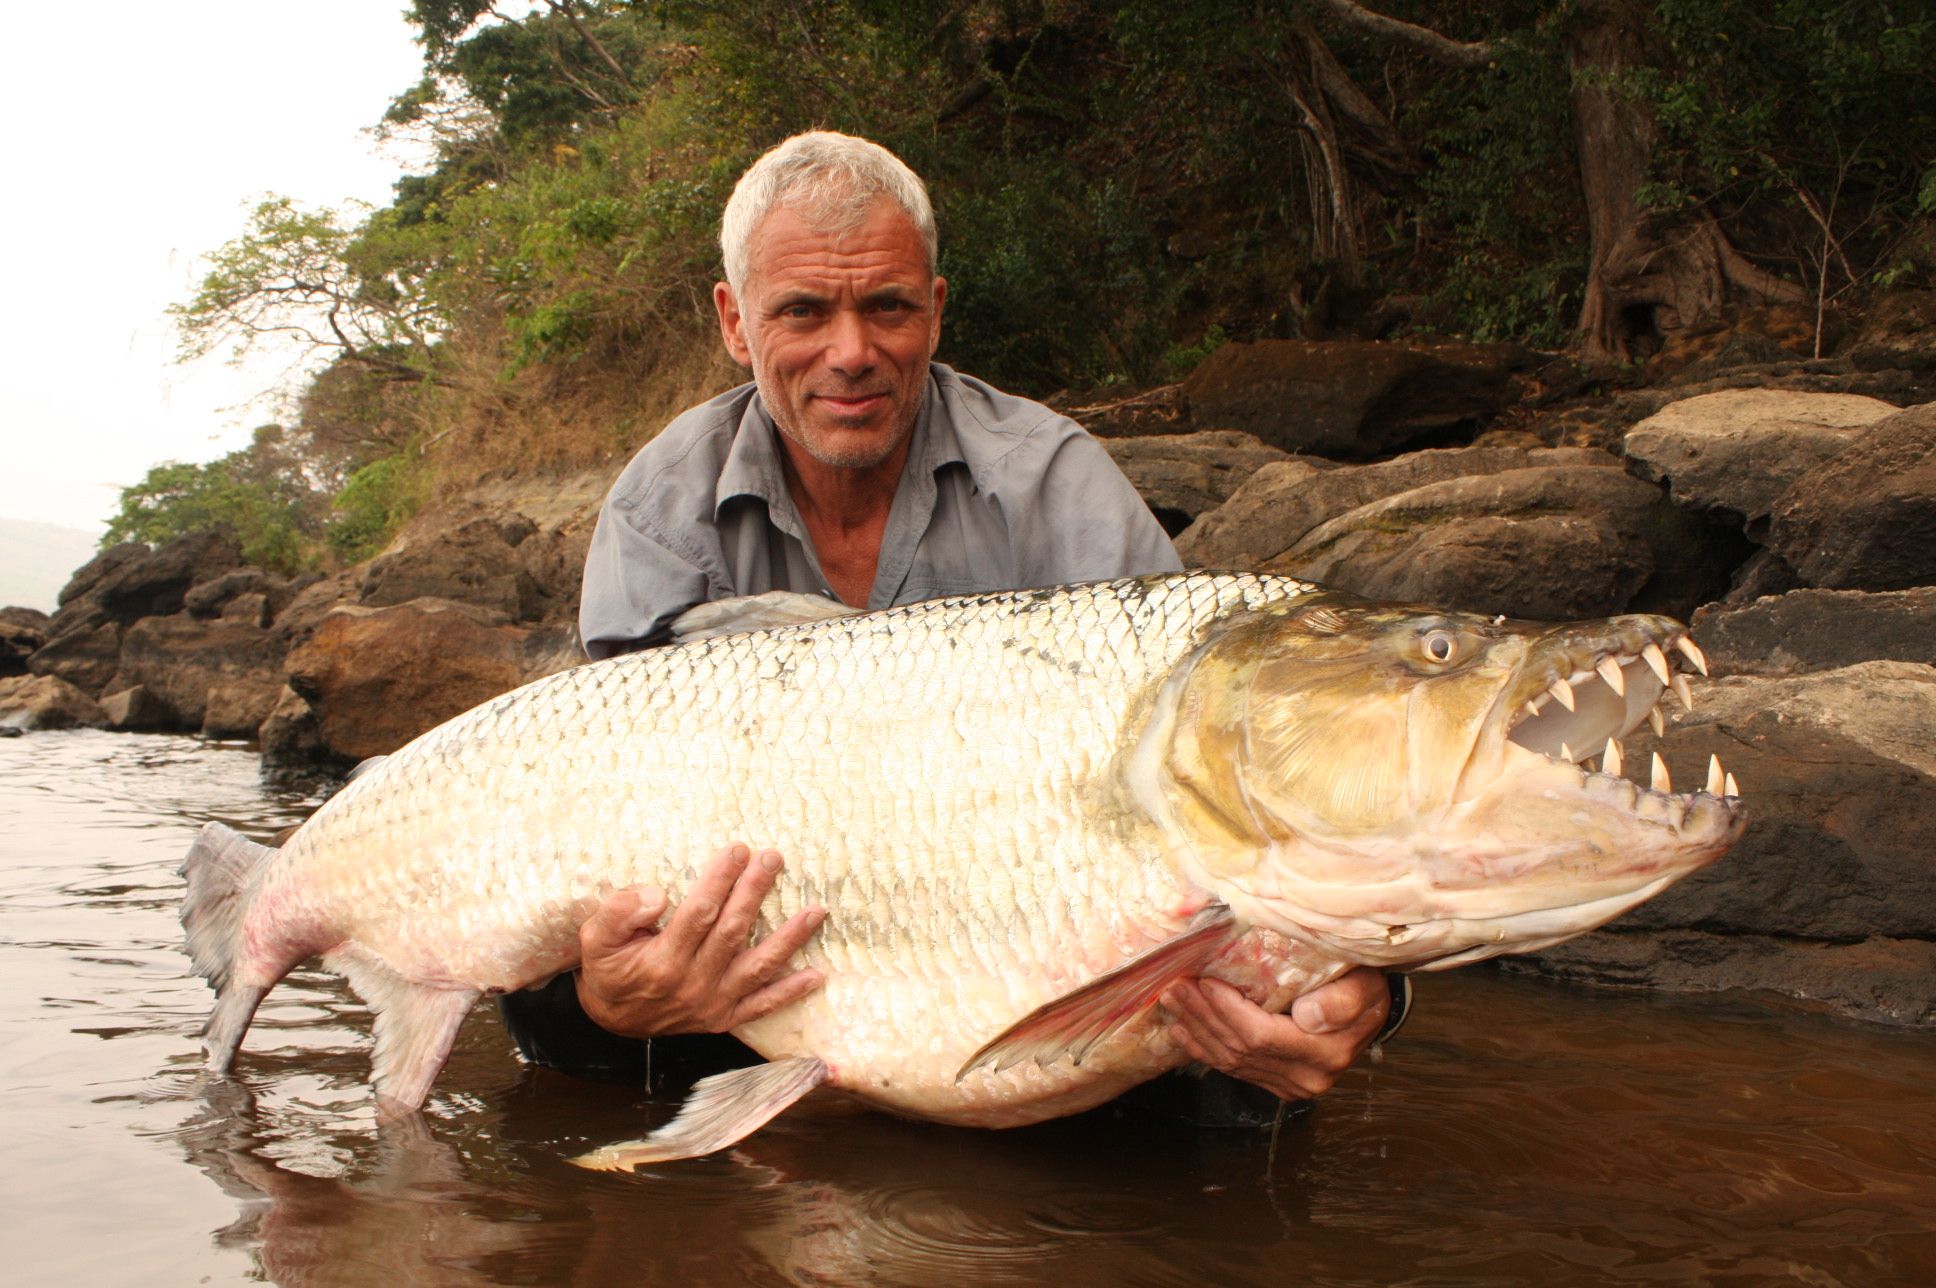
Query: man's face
(838, 328)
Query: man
(856, 467)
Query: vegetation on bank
(1121, 186)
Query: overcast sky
(140, 135)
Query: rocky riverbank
(1786, 506)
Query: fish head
(1400, 786)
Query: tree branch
(1478, 53)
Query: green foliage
(256, 492)
(373, 504)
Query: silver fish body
(1000, 800)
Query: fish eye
(1439, 646)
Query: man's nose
(850, 345)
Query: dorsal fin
(755, 613)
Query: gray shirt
(998, 493)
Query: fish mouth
(1579, 692)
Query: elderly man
(856, 467)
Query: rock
(85, 650)
(292, 746)
(237, 708)
(179, 660)
(251, 610)
(47, 702)
(1550, 543)
(212, 598)
(1899, 334)
(554, 561)
(1818, 630)
(312, 603)
(1537, 532)
(22, 632)
(155, 583)
(1152, 412)
(134, 708)
(1283, 502)
(1839, 775)
(90, 574)
(1180, 476)
(1739, 450)
(377, 677)
(1887, 980)
(472, 562)
(1352, 399)
(1866, 520)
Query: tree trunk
(1650, 274)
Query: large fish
(1026, 813)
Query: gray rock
(1818, 630)
(1352, 399)
(134, 708)
(1839, 776)
(237, 708)
(470, 562)
(179, 660)
(1866, 520)
(1284, 502)
(22, 632)
(85, 651)
(1180, 476)
(1739, 450)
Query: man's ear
(934, 321)
(732, 324)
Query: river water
(1517, 1132)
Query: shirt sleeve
(1087, 522)
(633, 588)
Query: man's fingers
(766, 1000)
(1357, 999)
(623, 916)
(734, 925)
(769, 957)
(1216, 1042)
(692, 921)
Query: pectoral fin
(1073, 1024)
(722, 1110)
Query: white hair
(828, 179)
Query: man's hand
(696, 974)
(1295, 1056)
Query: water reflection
(1519, 1132)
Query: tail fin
(217, 871)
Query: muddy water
(1517, 1133)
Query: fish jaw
(1325, 772)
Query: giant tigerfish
(1027, 814)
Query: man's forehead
(883, 242)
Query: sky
(140, 136)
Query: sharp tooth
(1661, 783)
(1682, 692)
(1564, 692)
(1715, 781)
(1532, 707)
(1656, 661)
(1734, 788)
(1692, 652)
(1610, 672)
(1610, 760)
(1658, 721)
(1566, 752)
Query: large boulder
(474, 561)
(1181, 476)
(376, 677)
(83, 648)
(264, 594)
(1834, 874)
(100, 567)
(179, 660)
(1352, 399)
(1533, 532)
(1739, 450)
(154, 583)
(1866, 520)
(1818, 630)
(46, 702)
(1283, 502)
(22, 632)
